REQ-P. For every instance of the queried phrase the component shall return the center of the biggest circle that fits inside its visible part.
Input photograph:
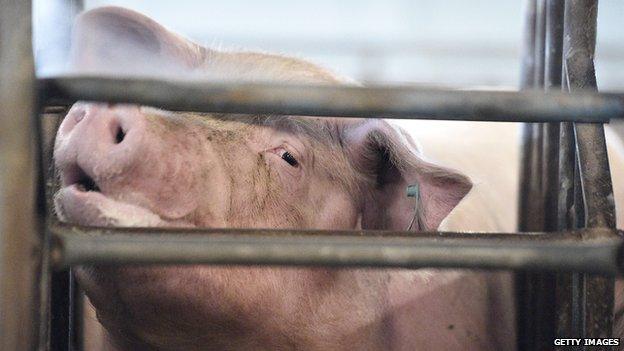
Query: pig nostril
(80, 114)
(120, 135)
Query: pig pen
(566, 253)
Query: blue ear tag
(413, 190)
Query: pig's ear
(118, 40)
(389, 161)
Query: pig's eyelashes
(286, 156)
(290, 159)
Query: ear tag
(413, 190)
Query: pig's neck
(346, 309)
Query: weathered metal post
(19, 223)
(592, 309)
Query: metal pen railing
(573, 238)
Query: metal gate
(566, 260)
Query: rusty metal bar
(561, 294)
(593, 310)
(585, 251)
(567, 162)
(339, 101)
(19, 239)
(595, 175)
(569, 296)
(553, 52)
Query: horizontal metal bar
(595, 250)
(338, 101)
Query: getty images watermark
(587, 342)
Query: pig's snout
(106, 125)
(100, 141)
(112, 169)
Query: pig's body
(130, 166)
(489, 153)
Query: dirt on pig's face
(122, 165)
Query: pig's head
(126, 165)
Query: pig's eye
(290, 159)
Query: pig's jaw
(78, 205)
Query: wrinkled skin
(124, 165)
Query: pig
(129, 165)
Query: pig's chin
(92, 208)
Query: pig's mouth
(81, 201)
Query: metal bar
(529, 137)
(566, 292)
(553, 51)
(595, 174)
(567, 161)
(339, 101)
(534, 312)
(76, 315)
(550, 175)
(59, 310)
(54, 303)
(527, 75)
(524, 289)
(554, 304)
(19, 239)
(540, 44)
(531, 217)
(595, 293)
(540, 312)
(52, 26)
(588, 253)
(549, 50)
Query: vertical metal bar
(552, 79)
(569, 306)
(547, 313)
(60, 289)
(551, 175)
(567, 161)
(531, 203)
(540, 44)
(59, 310)
(561, 161)
(528, 135)
(53, 299)
(593, 306)
(549, 46)
(19, 238)
(528, 46)
(526, 284)
(76, 315)
(537, 327)
(53, 20)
